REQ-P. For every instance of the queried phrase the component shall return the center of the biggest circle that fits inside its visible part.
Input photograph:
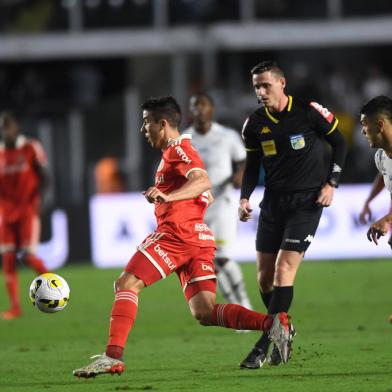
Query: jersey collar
(178, 140)
(288, 109)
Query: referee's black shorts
(287, 221)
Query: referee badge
(269, 148)
(297, 141)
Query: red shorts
(160, 254)
(22, 234)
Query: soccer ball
(49, 293)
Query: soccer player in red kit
(182, 243)
(22, 177)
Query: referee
(291, 139)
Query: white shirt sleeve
(238, 152)
(378, 159)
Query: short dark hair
(265, 66)
(377, 106)
(6, 117)
(164, 108)
(203, 94)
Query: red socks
(122, 318)
(36, 263)
(11, 279)
(238, 317)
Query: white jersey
(384, 166)
(219, 148)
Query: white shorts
(221, 217)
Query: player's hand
(365, 216)
(378, 229)
(154, 195)
(244, 210)
(325, 196)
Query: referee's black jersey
(292, 144)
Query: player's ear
(283, 82)
(380, 124)
(162, 124)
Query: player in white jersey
(223, 153)
(376, 121)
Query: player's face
(201, 108)
(10, 132)
(153, 131)
(371, 128)
(269, 88)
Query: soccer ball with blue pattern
(49, 293)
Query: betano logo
(265, 130)
(165, 257)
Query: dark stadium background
(76, 71)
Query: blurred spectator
(108, 177)
(376, 83)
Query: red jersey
(184, 218)
(19, 177)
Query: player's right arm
(198, 183)
(365, 216)
(251, 171)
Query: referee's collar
(287, 109)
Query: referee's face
(269, 89)
(372, 129)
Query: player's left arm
(196, 184)
(326, 124)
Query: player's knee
(128, 282)
(283, 268)
(203, 316)
(285, 273)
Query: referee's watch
(333, 182)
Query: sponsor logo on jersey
(160, 252)
(15, 168)
(297, 141)
(265, 130)
(269, 147)
(206, 237)
(182, 155)
(206, 267)
(201, 227)
(323, 111)
(293, 241)
(336, 168)
(309, 238)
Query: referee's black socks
(281, 299)
(278, 300)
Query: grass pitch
(340, 310)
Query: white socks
(231, 284)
